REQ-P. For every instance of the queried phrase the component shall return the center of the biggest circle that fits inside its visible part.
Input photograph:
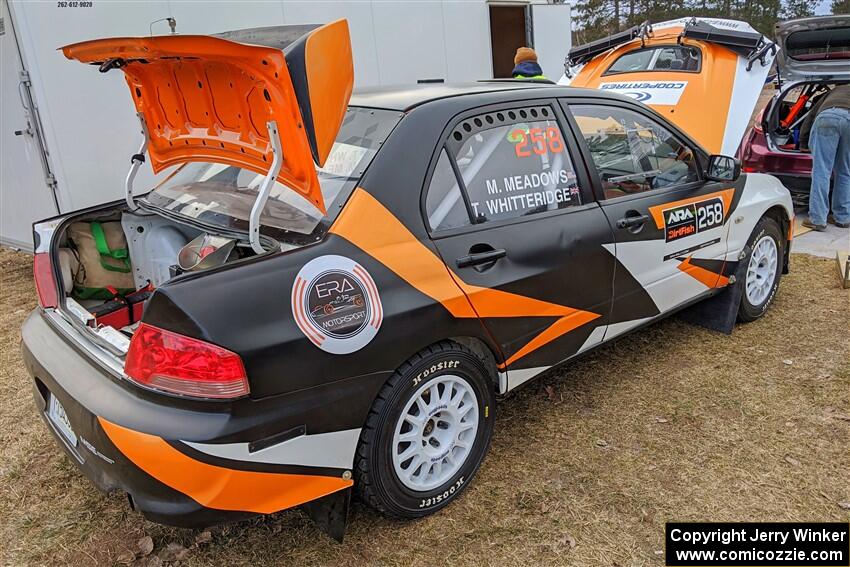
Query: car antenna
(172, 23)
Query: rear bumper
(793, 169)
(123, 443)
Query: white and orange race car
(703, 74)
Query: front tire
(764, 268)
(427, 433)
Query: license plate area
(57, 416)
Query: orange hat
(525, 54)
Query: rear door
(514, 219)
(669, 224)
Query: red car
(814, 58)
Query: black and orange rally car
(369, 272)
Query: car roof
(406, 97)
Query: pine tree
(841, 7)
(762, 15)
(598, 18)
(594, 19)
(792, 9)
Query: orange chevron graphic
(702, 275)
(399, 250)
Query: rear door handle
(481, 258)
(632, 221)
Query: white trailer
(68, 132)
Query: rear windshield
(681, 58)
(810, 45)
(222, 195)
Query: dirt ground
(587, 464)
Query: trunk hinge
(135, 162)
(265, 188)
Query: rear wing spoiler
(270, 100)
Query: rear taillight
(45, 280)
(179, 364)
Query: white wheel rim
(761, 270)
(435, 433)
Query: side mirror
(723, 168)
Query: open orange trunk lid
(210, 99)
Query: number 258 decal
(693, 218)
(538, 141)
(709, 214)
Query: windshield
(663, 58)
(222, 195)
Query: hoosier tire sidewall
(765, 227)
(398, 498)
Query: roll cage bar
(138, 159)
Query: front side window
(223, 195)
(662, 58)
(633, 153)
(513, 163)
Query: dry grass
(587, 464)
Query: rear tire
(763, 270)
(427, 433)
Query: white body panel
(761, 193)
(332, 450)
(745, 93)
(669, 287)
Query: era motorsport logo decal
(336, 304)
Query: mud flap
(720, 312)
(330, 513)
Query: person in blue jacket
(525, 65)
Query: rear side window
(662, 58)
(444, 202)
(512, 163)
